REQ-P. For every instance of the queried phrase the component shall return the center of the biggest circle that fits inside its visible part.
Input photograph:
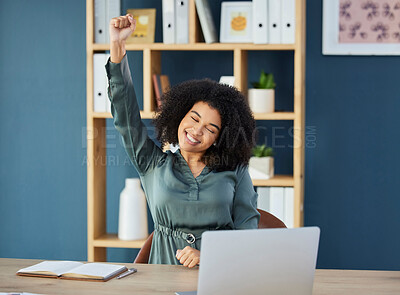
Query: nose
(198, 130)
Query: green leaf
(262, 151)
(263, 79)
(266, 81)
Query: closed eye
(194, 119)
(210, 131)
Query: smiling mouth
(191, 139)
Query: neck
(193, 159)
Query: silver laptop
(262, 261)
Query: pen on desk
(127, 273)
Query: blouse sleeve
(142, 151)
(245, 214)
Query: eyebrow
(210, 123)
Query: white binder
(274, 20)
(206, 21)
(168, 12)
(289, 207)
(104, 11)
(182, 21)
(260, 21)
(100, 21)
(288, 22)
(263, 198)
(100, 97)
(113, 9)
(277, 202)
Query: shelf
(277, 180)
(143, 115)
(274, 116)
(112, 241)
(259, 116)
(198, 47)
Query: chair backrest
(267, 220)
(144, 252)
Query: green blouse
(182, 207)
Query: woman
(205, 185)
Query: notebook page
(97, 269)
(57, 267)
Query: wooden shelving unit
(98, 239)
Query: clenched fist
(121, 28)
(188, 256)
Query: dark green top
(179, 203)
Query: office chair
(267, 220)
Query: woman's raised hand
(120, 29)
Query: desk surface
(166, 279)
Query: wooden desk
(166, 279)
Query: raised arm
(143, 152)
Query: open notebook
(73, 270)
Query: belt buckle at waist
(190, 238)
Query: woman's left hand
(188, 256)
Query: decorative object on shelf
(145, 26)
(236, 22)
(262, 96)
(132, 212)
(206, 21)
(228, 80)
(359, 27)
(261, 165)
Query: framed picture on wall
(236, 22)
(145, 26)
(361, 27)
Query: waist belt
(188, 237)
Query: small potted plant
(262, 96)
(261, 165)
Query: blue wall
(352, 163)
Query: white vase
(261, 167)
(262, 100)
(132, 223)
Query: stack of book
(161, 85)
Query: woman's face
(199, 129)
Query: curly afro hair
(235, 141)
